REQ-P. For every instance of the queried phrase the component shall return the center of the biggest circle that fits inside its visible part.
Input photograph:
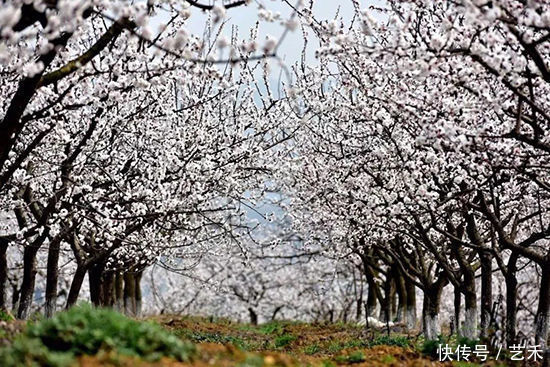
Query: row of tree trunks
(119, 290)
(396, 297)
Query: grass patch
(388, 359)
(312, 349)
(6, 316)
(85, 330)
(284, 340)
(430, 347)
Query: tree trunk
(402, 294)
(108, 289)
(430, 309)
(470, 306)
(3, 274)
(372, 302)
(511, 299)
(138, 297)
(386, 313)
(276, 311)
(253, 316)
(541, 319)
(29, 278)
(470, 315)
(411, 304)
(430, 317)
(129, 294)
(119, 293)
(52, 278)
(457, 307)
(486, 292)
(95, 274)
(76, 285)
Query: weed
(6, 316)
(399, 341)
(388, 359)
(284, 340)
(312, 349)
(273, 327)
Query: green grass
(284, 340)
(86, 330)
(6, 316)
(312, 349)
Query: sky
(245, 18)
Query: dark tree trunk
(511, 299)
(3, 274)
(29, 278)
(138, 297)
(486, 292)
(457, 307)
(402, 294)
(52, 278)
(76, 285)
(129, 294)
(541, 319)
(374, 296)
(386, 304)
(108, 289)
(276, 311)
(253, 316)
(15, 296)
(94, 278)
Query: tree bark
(138, 296)
(541, 319)
(3, 274)
(511, 299)
(386, 306)
(457, 307)
(411, 304)
(29, 278)
(119, 293)
(76, 285)
(486, 292)
(470, 316)
(253, 316)
(108, 289)
(402, 294)
(129, 294)
(94, 278)
(430, 317)
(430, 309)
(52, 277)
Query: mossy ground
(223, 343)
